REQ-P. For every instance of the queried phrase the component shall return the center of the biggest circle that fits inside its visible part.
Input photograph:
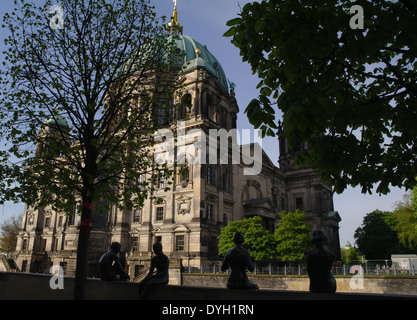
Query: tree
(377, 237)
(9, 230)
(350, 256)
(292, 236)
(414, 199)
(79, 106)
(350, 93)
(258, 241)
(405, 217)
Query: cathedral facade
(204, 196)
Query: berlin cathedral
(209, 196)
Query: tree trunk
(80, 284)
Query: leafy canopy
(79, 105)
(292, 235)
(350, 93)
(405, 215)
(377, 237)
(289, 241)
(350, 256)
(258, 241)
(9, 230)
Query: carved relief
(183, 205)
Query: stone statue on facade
(111, 265)
(158, 273)
(319, 265)
(239, 259)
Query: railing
(366, 268)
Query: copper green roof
(197, 56)
(57, 120)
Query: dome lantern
(174, 27)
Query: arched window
(251, 191)
(185, 173)
(184, 109)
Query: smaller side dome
(57, 121)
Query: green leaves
(378, 236)
(75, 103)
(262, 115)
(289, 242)
(234, 22)
(332, 81)
(258, 241)
(230, 32)
(292, 236)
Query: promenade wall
(26, 286)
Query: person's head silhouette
(238, 238)
(157, 248)
(115, 247)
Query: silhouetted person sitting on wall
(111, 266)
(319, 265)
(159, 262)
(238, 259)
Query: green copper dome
(197, 56)
(57, 120)
(192, 54)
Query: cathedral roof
(192, 54)
(197, 56)
(57, 121)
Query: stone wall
(30, 286)
(27, 286)
(404, 285)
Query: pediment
(134, 231)
(183, 198)
(261, 207)
(156, 229)
(179, 228)
(265, 203)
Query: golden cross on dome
(174, 27)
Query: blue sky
(205, 21)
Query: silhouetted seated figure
(319, 265)
(238, 259)
(161, 276)
(111, 266)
